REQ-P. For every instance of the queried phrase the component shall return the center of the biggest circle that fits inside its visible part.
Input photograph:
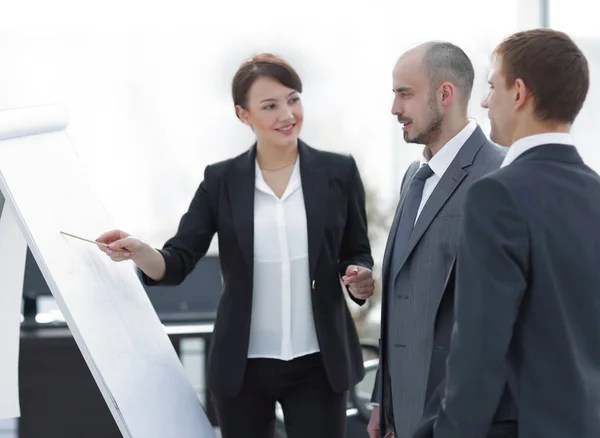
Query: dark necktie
(408, 217)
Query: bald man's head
(442, 62)
(431, 81)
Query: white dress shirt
(282, 324)
(440, 162)
(523, 145)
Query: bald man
(432, 85)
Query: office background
(147, 85)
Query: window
(578, 19)
(148, 89)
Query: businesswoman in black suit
(291, 222)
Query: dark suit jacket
(528, 300)
(334, 199)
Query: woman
(291, 220)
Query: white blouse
(282, 325)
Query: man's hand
(359, 281)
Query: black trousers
(310, 407)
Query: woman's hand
(121, 245)
(359, 281)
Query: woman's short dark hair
(552, 67)
(262, 65)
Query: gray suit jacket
(504, 423)
(527, 306)
(410, 303)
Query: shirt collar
(294, 183)
(440, 162)
(524, 144)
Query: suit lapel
(241, 194)
(315, 188)
(451, 179)
(442, 192)
(389, 246)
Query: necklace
(278, 168)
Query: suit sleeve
(355, 248)
(192, 239)
(491, 275)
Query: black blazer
(527, 304)
(334, 199)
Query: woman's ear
(243, 115)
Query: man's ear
(447, 93)
(522, 94)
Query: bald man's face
(415, 104)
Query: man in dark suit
(527, 305)
(432, 87)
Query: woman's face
(274, 112)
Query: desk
(59, 397)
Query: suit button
(403, 297)
(439, 347)
(399, 345)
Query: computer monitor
(195, 299)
